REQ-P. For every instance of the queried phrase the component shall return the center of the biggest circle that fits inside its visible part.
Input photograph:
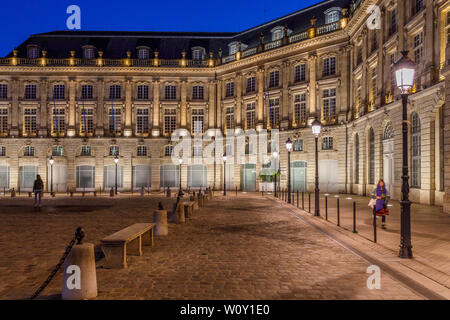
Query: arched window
(371, 156)
(357, 159)
(415, 151)
(388, 131)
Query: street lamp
(289, 148)
(116, 161)
(180, 161)
(275, 156)
(224, 174)
(404, 74)
(316, 128)
(52, 161)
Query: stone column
(72, 102)
(156, 131)
(238, 109)
(99, 131)
(15, 108)
(219, 104)
(212, 104)
(43, 108)
(285, 95)
(260, 110)
(446, 114)
(312, 62)
(343, 88)
(128, 108)
(183, 113)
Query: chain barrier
(78, 237)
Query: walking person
(38, 188)
(381, 195)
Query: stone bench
(188, 208)
(126, 241)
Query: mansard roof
(115, 44)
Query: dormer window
(198, 53)
(278, 33)
(88, 52)
(143, 52)
(233, 48)
(33, 52)
(332, 15)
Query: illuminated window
(3, 121)
(329, 103)
(142, 123)
(58, 120)
(327, 143)
(114, 120)
(197, 120)
(87, 121)
(29, 123)
(418, 47)
(229, 118)
(415, 150)
(114, 151)
(251, 116)
(274, 112)
(300, 108)
(170, 121)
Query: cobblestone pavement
(244, 248)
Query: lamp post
(289, 148)
(275, 156)
(316, 127)
(180, 161)
(52, 161)
(404, 74)
(116, 161)
(224, 174)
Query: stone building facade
(84, 97)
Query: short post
(142, 191)
(309, 202)
(338, 213)
(354, 217)
(82, 258)
(303, 200)
(374, 224)
(326, 208)
(160, 220)
(111, 192)
(13, 193)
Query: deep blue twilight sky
(20, 19)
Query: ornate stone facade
(338, 71)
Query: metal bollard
(338, 213)
(374, 224)
(326, 208)
(354, 217)
(303, 200)
(309, 202)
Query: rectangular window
(197, 120)
(393, 28)
(29, 121)
(3, 91)
(57, 151)
(114, 120)
(30, 91)
(298, 145)
(142, 123)
(87, 121)
(418, 47)
(168, 151)
(58, 91)
(329, 66)
(374, 87)
(274, 79)
(58, 120)
(141, 151)
(358, 92)
(142, 92)
(170, 121)
(251, 116)
(86, 92)
(28, 151)
(274, 112)
(229, 92)
(85, 151)
(251, 84)
(329, 103)
(229, 118)
(300, 72)
(197, 151)
(300, 108)
(115, 91)
(114, 151)
(3, 121)
(170, 92)
(327, 143)
(197, 92)
(417, 6)
(2, 151)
